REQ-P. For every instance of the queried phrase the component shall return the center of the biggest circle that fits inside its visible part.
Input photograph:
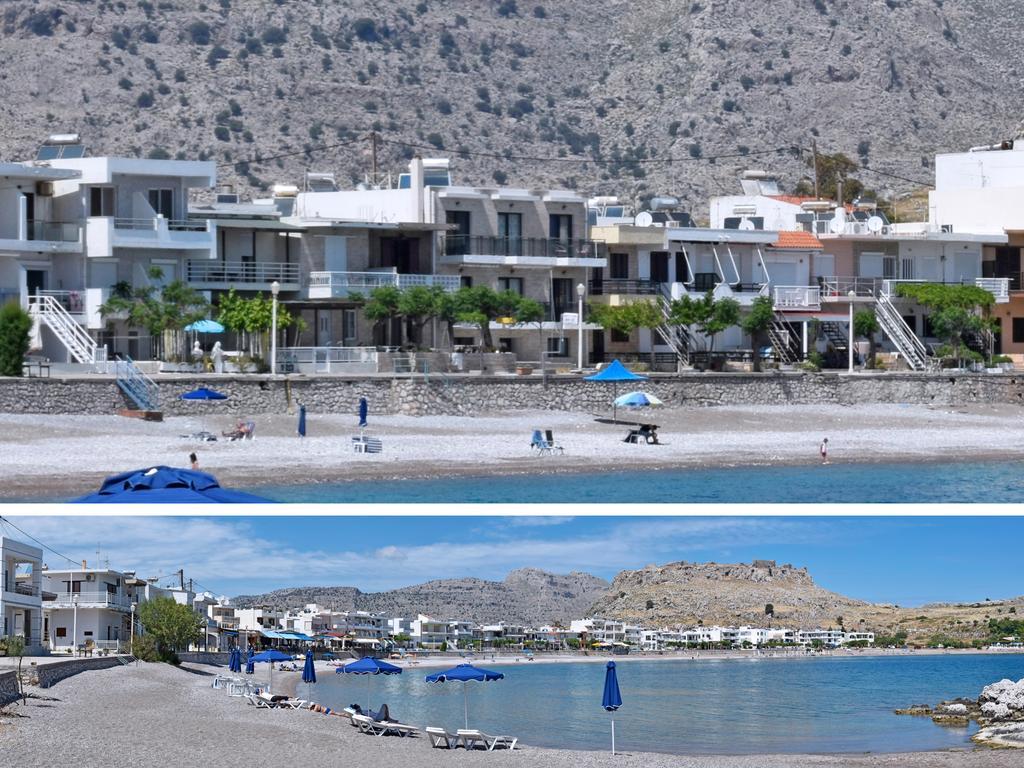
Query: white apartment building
(827, 637)
(361, 628)
(21, 608)
(597, 630)
(90, 606)
(257, 619)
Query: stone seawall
(49, 674)
(469, 394)
(8, 688)
(205, 657)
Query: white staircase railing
(72, 335)
(676, 337)
(901, 334)
(779, 337)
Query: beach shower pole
(581, 291)
(275, 288)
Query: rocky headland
(998, 711)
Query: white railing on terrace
(840, 287)
(339, 283)
(135, 223)
(67, 600)
(322, 359)
(29, 590)
(997, 286)
(204, 271)
(74, 338)
(153, 224)
(797, 297)
(72, 301)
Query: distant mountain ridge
(527, 596)
(504, 85)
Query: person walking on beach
(823, 450)
(195, 461)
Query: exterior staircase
(136, 385)
(676, 337)
(781, 337)
(837, 337)
(910, 347)
(46, 310)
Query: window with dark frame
(1018, 330)
(619, 266)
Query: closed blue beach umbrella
(369, 666)
(166, 485)
(302, 421)
(465, 673)
(308, 671)
(250, 667)
(234, 662)
(612, 699)
(364, 408)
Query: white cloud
(227, 555)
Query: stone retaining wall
(49, 674)
(8, 688)
(468, 394)
(205, 657)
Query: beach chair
(539, 444)
(549, 436)
(471, 738)
(238, 689)
(393, 728)
(368, 725)
(364, 444)
(293, 704)
(258, 701)
(440, 738)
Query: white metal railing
(797, 297)
(83, 599)
(75, 338)
(72, 301)
(205, 271)
(135, 223)
(889, 286)
(344, 282)
(187, 225)
(840, 287)
(901, 334)
(997, 286)
(323, 358)
(107, 645)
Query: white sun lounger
(259, 702)
(471, 737)
(367, 725)
(441, 739)
(398, 729)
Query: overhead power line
(37, 541)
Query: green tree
(418, 305)
(480, 305)
(15, 325)
(865, 325)
(709, 315)
(447, 309)
(957, 311)
(252, 318)
(383, 307)
(173, 626)
(529, 312)
(16, 648)
(757, 322)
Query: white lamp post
(131, 635)
(852, 295)
(581, 291)
(275, 288)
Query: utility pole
(814, 149)
(181, 578)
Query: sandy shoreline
(156, 715)
(59, 457)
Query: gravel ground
(69, 455)
(155, 715)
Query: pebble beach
(157, 715)
(59, 457)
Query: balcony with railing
(340, 285)
(486, 250)
(244, 275)
(617, 286)
(105, 233)
(796, 297)
(97, 599)
(47, 236)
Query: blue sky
(904, 560)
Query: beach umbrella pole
(465, 703)
(613, 735)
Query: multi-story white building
(256, 619)
(90, 606)
(828, 637)
(21, 607)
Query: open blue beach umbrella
(166, 485)
(302, 421)
(308, 671)
(203, 393)
(250, 667)
(637, 400)
(615, 372)
(364, 408)
(369, 666)
(612, 699)
(270, 657)
(205, 326)
(465, 673)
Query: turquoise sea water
(706, 707)
(987, 482)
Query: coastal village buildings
(21, 608)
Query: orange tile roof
(798, 239)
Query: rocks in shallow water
(999, 710)
(916, 710)
(1002, 735)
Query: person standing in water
(823, 450)
(195, 461)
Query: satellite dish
(643, 219)
(837, 224)
(875, 224)
(747, 225)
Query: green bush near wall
(15, 324)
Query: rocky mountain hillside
(527, 595)
(612, 90)
(736, 593)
